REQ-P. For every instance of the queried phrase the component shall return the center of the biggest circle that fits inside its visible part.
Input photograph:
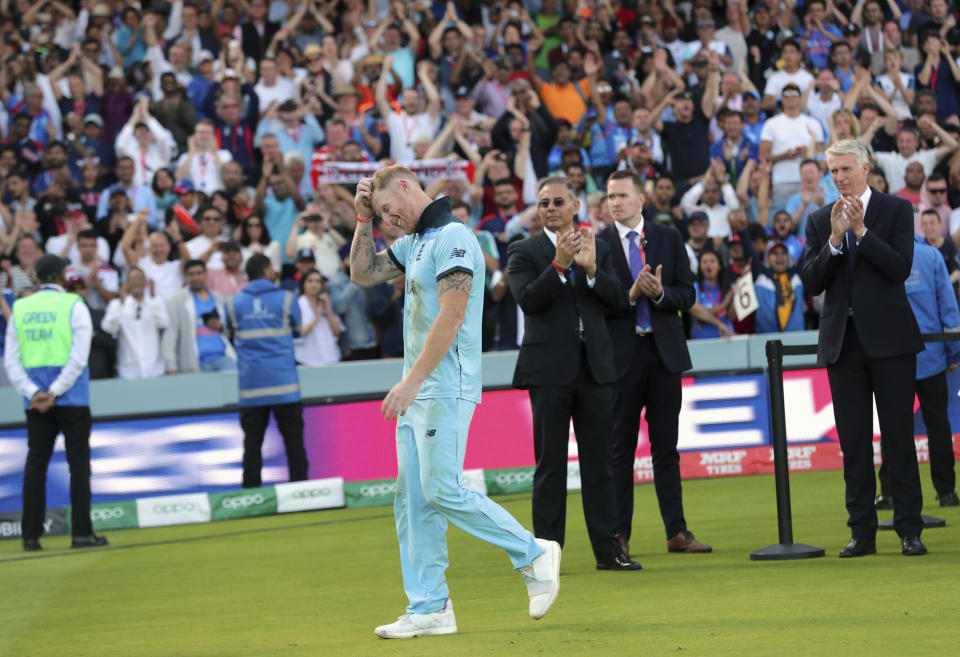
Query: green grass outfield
(316, 584)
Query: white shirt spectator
(284, 89)
(109, 279)
(157, 155)
(325, 250)
(718, 214)
(137, 326)
(319, 346)
(777, 81)
(199, 245)
(894, 165)
(204, 172)
(898, 101)
(271, 250)
(160, 65)
(821, 109)
(167, 278)
(786, 133)
(58, 244)
(404, 130)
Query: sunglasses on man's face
(557, 203)
(936, 190)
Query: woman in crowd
(255, 238)
(163, 183)
(319, 325)
(709, 312)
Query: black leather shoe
(618, 561)
(912, 547)
(859, 547)
(89, 541)
(883, 503)
(31, 545)
(949, 499)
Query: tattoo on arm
(457, 280)
(365, 260)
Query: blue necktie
(637, 261)
(852, 250)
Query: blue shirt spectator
(934, 304)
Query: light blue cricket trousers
(431, 444)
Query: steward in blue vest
(47, 347)
(264, 321)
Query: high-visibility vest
(42, 322)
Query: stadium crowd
(158, 146)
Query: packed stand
(158, 147)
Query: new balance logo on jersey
(431, 433)
(458, 253)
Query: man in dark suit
(650, 352)
(859, 251)
(562, 279)
(257, 32)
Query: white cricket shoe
(543, 579)
(410, 626)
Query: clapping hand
(567, 247)
(586, 256)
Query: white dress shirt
(137, 326)
(82, 327)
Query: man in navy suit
(650, 353)
(859, 251)
(563, 282)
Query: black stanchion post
(786, 548)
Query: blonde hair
(851, 119)
(850, 147)
(386, 176)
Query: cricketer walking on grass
(434, 401)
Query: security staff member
(264, 320)
(47, 345)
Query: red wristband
(362, 220)
(560, 269)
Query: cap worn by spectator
(346, 90)
(852, 29)
(669, 21)
(790, 89)
(646, 20)
(101, 9)
(372, 60)
(311, 50)
(205, 56)
(698, 216)
(183, 186)
(287, 106)
(734, 239)
(684, 95)
(305, 254)
(751, 93)
(463, 91)
(116, 72)
(777, 244)
(48, 267)
(95, 119)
